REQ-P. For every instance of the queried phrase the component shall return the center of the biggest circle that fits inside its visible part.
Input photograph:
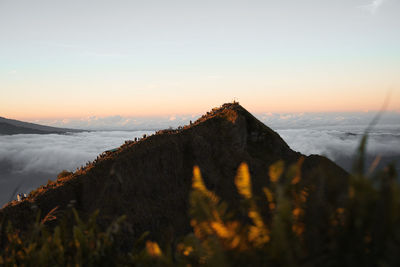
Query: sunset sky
(72, 59)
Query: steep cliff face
(150, 180)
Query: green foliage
(287, 227)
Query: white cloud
(373, 6)
(12, 72)
(333, 119)
(53, 152)
(342, 141)
(30, 160)
(337, 135)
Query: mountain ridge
(149, 181)
(11, 126)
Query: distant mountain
(9, 126)
(150, 180)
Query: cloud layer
(274, 120)
(335, 143)
(120, 123)
(53, 152)
(331, 119)
(29, 160)
(373, 6)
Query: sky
(76, 60)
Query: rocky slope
(150, 180)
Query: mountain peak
(149, 180)
(227, 110)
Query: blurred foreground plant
(364, 230)
(82, 244)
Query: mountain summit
(150, 180)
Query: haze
(76, 59)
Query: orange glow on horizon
(258, 100)
(197, 110)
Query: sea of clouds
(28, 161)
(273, 120)
(55, 152)
(340, 145)
(338, 135)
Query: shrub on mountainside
(63, 174)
